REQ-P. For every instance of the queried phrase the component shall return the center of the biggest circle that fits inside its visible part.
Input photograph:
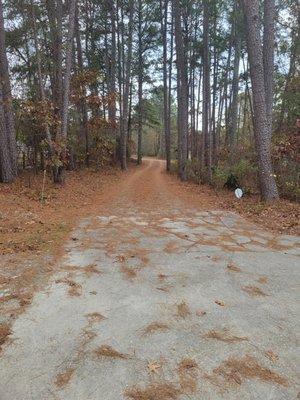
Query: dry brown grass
(155, 391)
(154, 327)
(188, 374)
(224, 336)
(183, 310)
(235, 371)
(64, 378)
(75, 289)
(108, 351)
(254, 291)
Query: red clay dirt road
(159, 297)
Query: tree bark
(83, 105)
(268, 55)
(206, 138)
(6, 172)
(182, 91)
(167, 125)
(6, 99)
(67, 74)
(55, 16)
(262, 128)
(126, 93)
(233, 113)
(140, 83)
(39, 71)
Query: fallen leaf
(220, 303)
(271, 355)
(153, 367)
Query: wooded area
(213, 87)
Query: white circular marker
(238, 193)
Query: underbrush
(241, 164)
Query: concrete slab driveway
(158, 299)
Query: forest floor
(144, 287)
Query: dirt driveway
(158, 299)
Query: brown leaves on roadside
(129, 272)
(155, 391)
(220, 303)
(200, 312)
(5, 331)
(153, 367)
(271, 355)
(92, 269)
(188, 374)
(95, 317)
(236, 370)
(121, 258)
(108, 351)
(232, 267)
(64, 378)
(183, 310)
(224, 336)
(263, 280)
(162, 277)
(154, 327)
(75, 289)
(254, 291)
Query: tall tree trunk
(112, 112)
(182, 90)
(126, 93)
(55, 16)
(294, 61)
(167, 125)
(83, 105)
(268, 55)
(39, 71)
(206, 138)
(215, 142)
(262, 128)
(233, 113)
(6, 172)
(67, 75)
(140, 83)
(8, 115)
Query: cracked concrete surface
(156, 284)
